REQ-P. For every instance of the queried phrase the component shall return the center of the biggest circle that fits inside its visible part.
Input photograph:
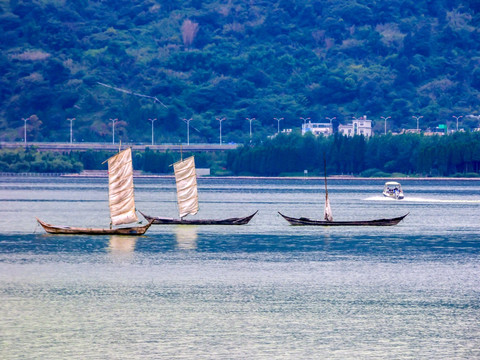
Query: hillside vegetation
(203, 59)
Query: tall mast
(325, 173)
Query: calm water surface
(266, 290)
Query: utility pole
(417, 118)
(331, 123)
(250, 120)
(71, 131)
(188, 129)
(152, 120)
(304, 120)
(278, 124)
(220, 121)
(385, 118)
(25, 130)
(457, 117)
(113, 129)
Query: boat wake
(423, 200)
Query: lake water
(265, 290)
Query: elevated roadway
(83, 146)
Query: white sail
(120, 188)
(327, 214)
(186, 178)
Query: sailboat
(328, 217)
(121, 201)
(187, 199)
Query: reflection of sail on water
(186, 178)
(122, 244)
(120, 186)
(186, 237)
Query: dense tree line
(408, 154)
(31, 160)
(260, 59)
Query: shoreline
(104, 174)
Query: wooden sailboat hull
(377, 222)
(121, 202)
(187, 199)
(134, 230)
(171, 221)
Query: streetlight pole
(457, 117)
(220, 121)
(417, 118)
(152, 120)
(188, 129)
(278, 124)
(331, 122)
(385, 118)
(25, 130)
(304, 124)
(113, 129)
(304, 120)
(71, 131)
(250, 120)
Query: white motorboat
(393, 189)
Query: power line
(155, 99)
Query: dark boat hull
(379, 222)
(171, 221)
(53, 229)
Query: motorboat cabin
(393, 189)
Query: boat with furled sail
(377, 222)
(187, 199)
(328, 217)
(121, 202)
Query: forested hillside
(203, 59)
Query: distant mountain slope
(233, 59)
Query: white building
(360, 126)
(284, 131)
(317, 128)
